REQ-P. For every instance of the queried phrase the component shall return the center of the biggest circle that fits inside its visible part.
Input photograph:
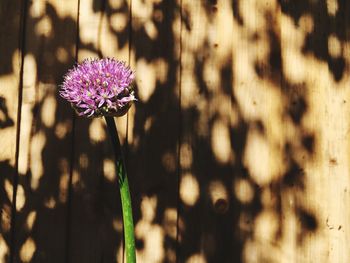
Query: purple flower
(99, 87)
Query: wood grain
(154, 129)
(10, 75)
(207, 214)
(49, 40)
(237, 148)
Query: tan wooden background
(238, 149)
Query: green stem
(124, 192)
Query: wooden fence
(237, 149)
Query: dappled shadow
(329, 33)
(221, 149)
(5, 120)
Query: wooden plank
(299, 188)
(207, 215)
(291, 197)
(273, 223)
(261, 143)
(40, 230)
(318, 46)
(154, 128)
(267, 222)
(96, 226)
(10, 48)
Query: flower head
(99, 87)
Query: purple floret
(99, 87)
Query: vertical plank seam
(21, 45)
(72, 150)
(126, 146)
(126, 143)
(179, 170)
(99, 29)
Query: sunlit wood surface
(238, 148)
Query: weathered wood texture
(237, 148)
